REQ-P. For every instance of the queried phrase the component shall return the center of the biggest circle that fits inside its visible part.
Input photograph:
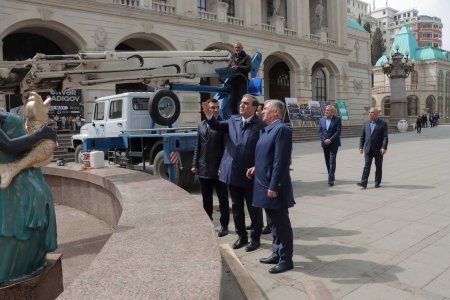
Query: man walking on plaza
(242, 133)
(206, 161)
(329, 133)
(272, 184)
(373, 142)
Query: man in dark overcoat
(241, 135)
(272, 187)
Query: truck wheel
(79, 154)
(164, 107)
(183, 178)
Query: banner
(342, 110)
(314, 107)
(68, 102)
(305, 111)
(292, 109)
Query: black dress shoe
(331, 183)
(252, 246)
(362, 186)
(241, 242)
(266, 230)
(222, 232)
(273, 259)
(377, 185)
(280, 268)
(249, 227)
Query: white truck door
(99, 118)
(116, 118)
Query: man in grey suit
(373, 143)
(272, 189)
(329, 132)
(241, 135)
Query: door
(116, 118)
(99, 119)
(280, 84)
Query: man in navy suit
(273, 187)
(329, 133)
(242, 134)
(373, 142)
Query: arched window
(319, 85)
(413, 105)
(430, 105)
(386, 106)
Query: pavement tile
(440, 284)
(376, 291)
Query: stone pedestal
(278, 23)
(45, 285)
(221, 9)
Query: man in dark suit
(373, 142)
(329, 133)
(273, 188)
(240, 62)
(242, 134)
(206, 161)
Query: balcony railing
(235, 21)
(267, 27)
(409, 88)
(315, 38)
(290, 32)
(207, 15)
(128, 3)
(163, 8)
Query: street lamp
(397, 69)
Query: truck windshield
(140, 103)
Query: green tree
(378, 47)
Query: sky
(433, 8)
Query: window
(99, 111)
(412, 106)
(414, 77)
(387, 106)
(320, 86)
(115, 109)
(230, 7)
(140, 103)
(201, 5)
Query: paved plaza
(386, 243)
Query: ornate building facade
(427, 87)
(310, 48)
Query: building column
(2, 97)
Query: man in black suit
(329, 132)
(242, 134)
(373, 143)
(205, 163)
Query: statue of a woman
(320, 12)
(27, 214)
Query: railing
(267, 27)
(315, 38)
(163, 8)
(290, 32)
(207, 15)
(331, 42)
(235, 21)
(128, 3)
(409, 88)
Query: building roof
(354, 25)
(406, 41)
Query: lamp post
(397, 69)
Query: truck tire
(183, 178)
(164, 107)
(79, 154)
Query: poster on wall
(68, 103)
(292, 109)
(315, 109)
(305, 111)
(342, 110)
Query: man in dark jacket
(373, 143)
(329, 132)
(273, 187)
(206, 161)
(240, 62)
(241, 135)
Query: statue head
(36, 109)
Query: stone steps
(61, 152)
